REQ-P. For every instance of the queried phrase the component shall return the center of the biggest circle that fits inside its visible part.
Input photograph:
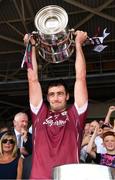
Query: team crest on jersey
(56, 119)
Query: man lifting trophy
(57, 127)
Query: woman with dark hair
(10, 162)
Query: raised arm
(80, 90)
(107, 118)
(89, 149)
(35, 92)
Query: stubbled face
(21, 122)
(109, 142)
(57, 98)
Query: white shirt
(99, 144)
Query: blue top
(9, 170)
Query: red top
(56, 140)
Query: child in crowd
(108, 158)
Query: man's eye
(60, 93)
(51, 94)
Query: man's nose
(55, 96)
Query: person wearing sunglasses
(10, 162)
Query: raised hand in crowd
(107, 118)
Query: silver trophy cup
(55, 41)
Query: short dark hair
(108, 133)
(57, 83)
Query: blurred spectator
(106, 127)
(98, 142)
(101, 122)
(108, 158)
(24, 138)
(10, 163)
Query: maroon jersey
(56, 140)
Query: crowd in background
(57, 130)
(15, 147)
(98, 145)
